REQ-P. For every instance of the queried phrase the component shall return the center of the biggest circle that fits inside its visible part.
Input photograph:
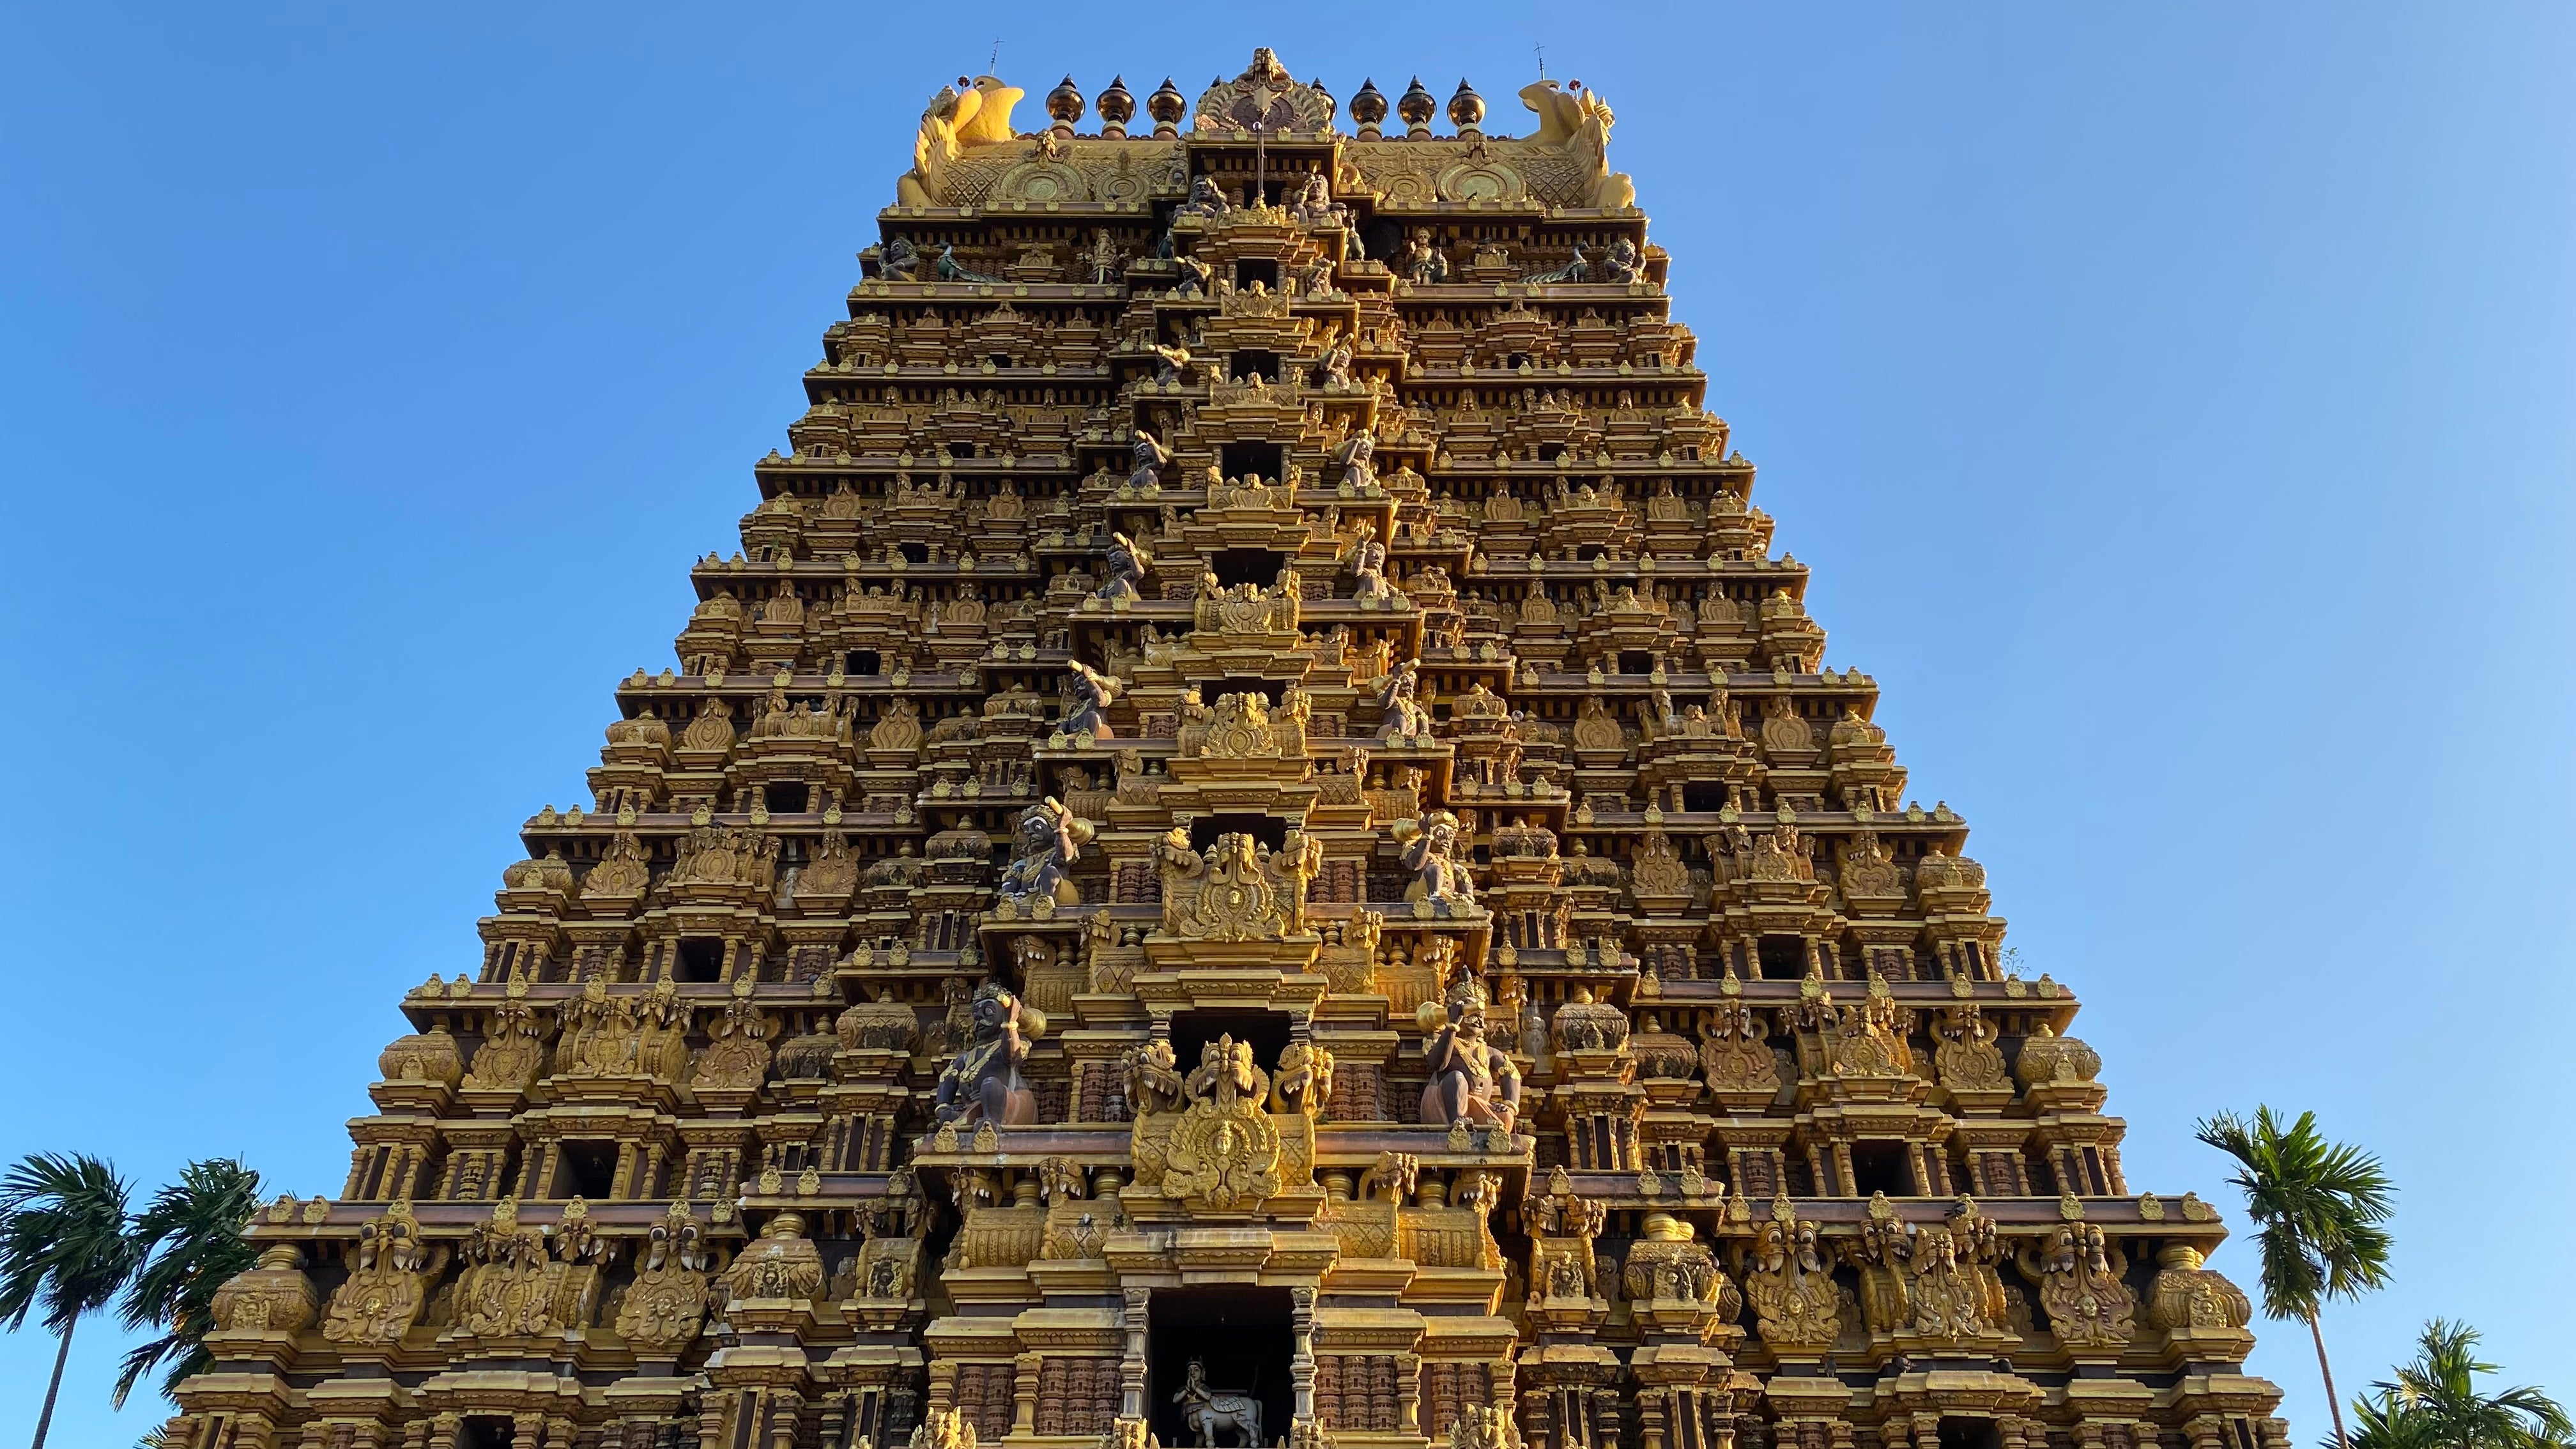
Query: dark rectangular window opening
(1266, 1031)
(1964, 1433)
(485, 1431)
(1258, 567)
(1264, 270)
(1261, 460)
(862, 661)
(1784, 958)
(1269, 830)
(1249, 364)
(1709, 795)
(1636, 661)
(916, 553)
(1241, 1337)
(1000, 359)
(786, 797)
(1886, 1167)
(586, 1170)
(701, 959)
(1272, 690)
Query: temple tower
(1256, 844)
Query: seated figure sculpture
(1472, 1080)
(1151, 457)
(984, 1083)
(1356, 456)
(1404, 718)
(1049, 841)
(1128, 560)
(1431, 849)
(1368, 567)
(1086, 711)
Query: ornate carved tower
(1255, 845)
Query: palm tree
(2319, 1205)
(62, 1246)
(186, 1243)
(2434, 1403)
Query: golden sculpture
(1257, 788)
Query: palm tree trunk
(2334, 1405)
(45, 1420)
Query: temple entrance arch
(1243, 1336)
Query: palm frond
(2438, 1392)
(188, 1241)
(63, 1247)
(2319, 1209)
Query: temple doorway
(1243, 1337)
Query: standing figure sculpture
(1421, 261)
(1208, 1410)
(1089, 693)
(1472, 1080)
(1151, 458)
(1106, 260)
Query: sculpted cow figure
(1208, 1411)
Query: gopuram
(1255, 847)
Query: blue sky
(2174, 404)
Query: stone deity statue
(1086, 712)
(1151, 459)
(984, 1083)
(1049, 842)
(1472, 1080)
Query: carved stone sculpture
(667, 1302)
(983, 1083)
(1790, 1285)
(387, 1286)
(1210, 1412)
(778, 1264)
(1472, 1081)
(2082, 1286)
(1048, 842)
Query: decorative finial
(1466, 110)
(1117, 107)
(1368, 109)
(1332, 107)
(1417, 108)
(1064, 105)
(1167, 105)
